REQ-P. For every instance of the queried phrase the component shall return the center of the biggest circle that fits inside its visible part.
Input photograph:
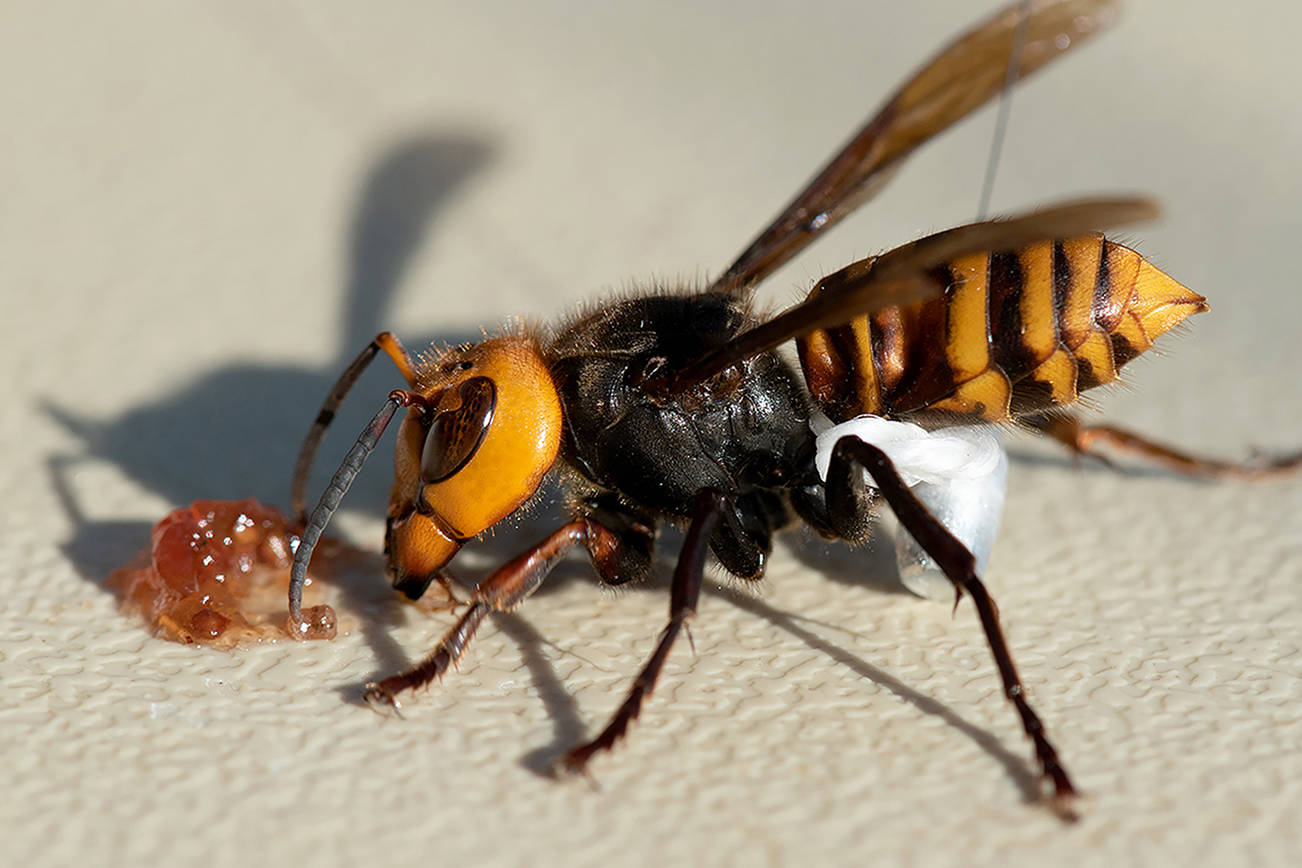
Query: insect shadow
(233, 432)
(569, 727)
(1018, 769)
(871, 566)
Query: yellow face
(479, 449)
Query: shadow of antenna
(400, 197)
(233, 432)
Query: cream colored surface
(207, 206)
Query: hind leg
(958, 564)
(1085, 440)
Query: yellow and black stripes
(1016, 332)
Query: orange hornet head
(488, 433)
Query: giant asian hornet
(674, 407)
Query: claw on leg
(382, 701)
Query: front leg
(508, 587)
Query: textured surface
(207, 208)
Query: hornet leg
(959, 565)
(1084, 440)
(503, 591)
(686, 589)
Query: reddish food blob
(217, 573)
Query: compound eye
(456, 435)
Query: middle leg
(686, 589)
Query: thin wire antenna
(1005, 104)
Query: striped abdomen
(1016, 332)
